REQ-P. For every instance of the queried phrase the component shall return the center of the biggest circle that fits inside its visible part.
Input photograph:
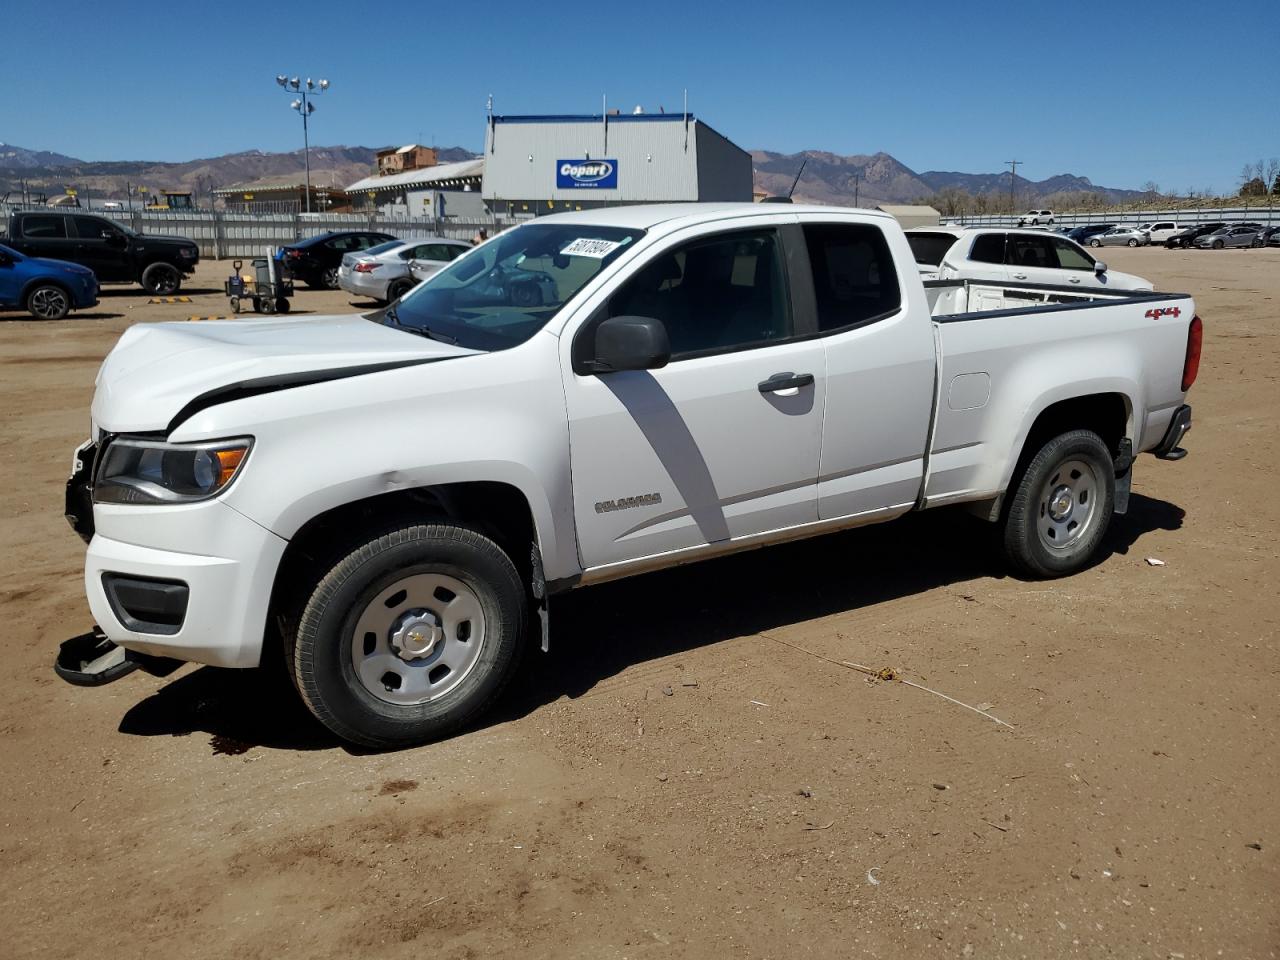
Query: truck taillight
(366, 267)
(1191, 367)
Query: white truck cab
(393, 498)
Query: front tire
(1095, 243)
(1061, 507)
(1217, 244)
(48, 301)
(161, 279)
(411, 636)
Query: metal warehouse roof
(425, 176)
(594, 118)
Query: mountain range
(52, 172)
(880, 178)
(829, 178)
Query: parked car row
(53, 262)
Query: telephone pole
(1013, 175)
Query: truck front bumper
(1167, 448)
(187, 582)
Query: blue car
(47, 289)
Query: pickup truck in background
(392, 498)
(112, 251)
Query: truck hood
(159, 373)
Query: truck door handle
(785, 381)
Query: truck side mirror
(630, 343)
(1099, 267)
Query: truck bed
(1005, 348)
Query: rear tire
(1133, 243)
(411, 636)
(397, 289)
(1061, 507)
(161, 279)
(329, 279)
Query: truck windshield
(504, 292)
(930, 248)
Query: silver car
(1121, 237)
(383, 272)
(1237, 235)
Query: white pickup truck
(393, 497)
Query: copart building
(536, 165)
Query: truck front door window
(713, 295)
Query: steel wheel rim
(1068, 505)
(48, 302)
(418, 639)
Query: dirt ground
(675, 778)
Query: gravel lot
(676, 778)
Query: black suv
(113, 252)
(315, 260)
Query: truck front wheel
(161, 279)
(1061, 507)
(411, 636)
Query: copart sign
(587, 174)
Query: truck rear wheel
(161, 279)
(1061, 507)
(411, 636)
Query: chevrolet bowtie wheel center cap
(416, 634)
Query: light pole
(305, 90)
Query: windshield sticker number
(585, 247)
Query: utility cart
(261, 286)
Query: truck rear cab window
(854, 280)
(988, 248)
(716, 294)
(44, 227)
(930, 248)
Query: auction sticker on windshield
(589, 247)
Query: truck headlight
(152, 471)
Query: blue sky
(1065, 88)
